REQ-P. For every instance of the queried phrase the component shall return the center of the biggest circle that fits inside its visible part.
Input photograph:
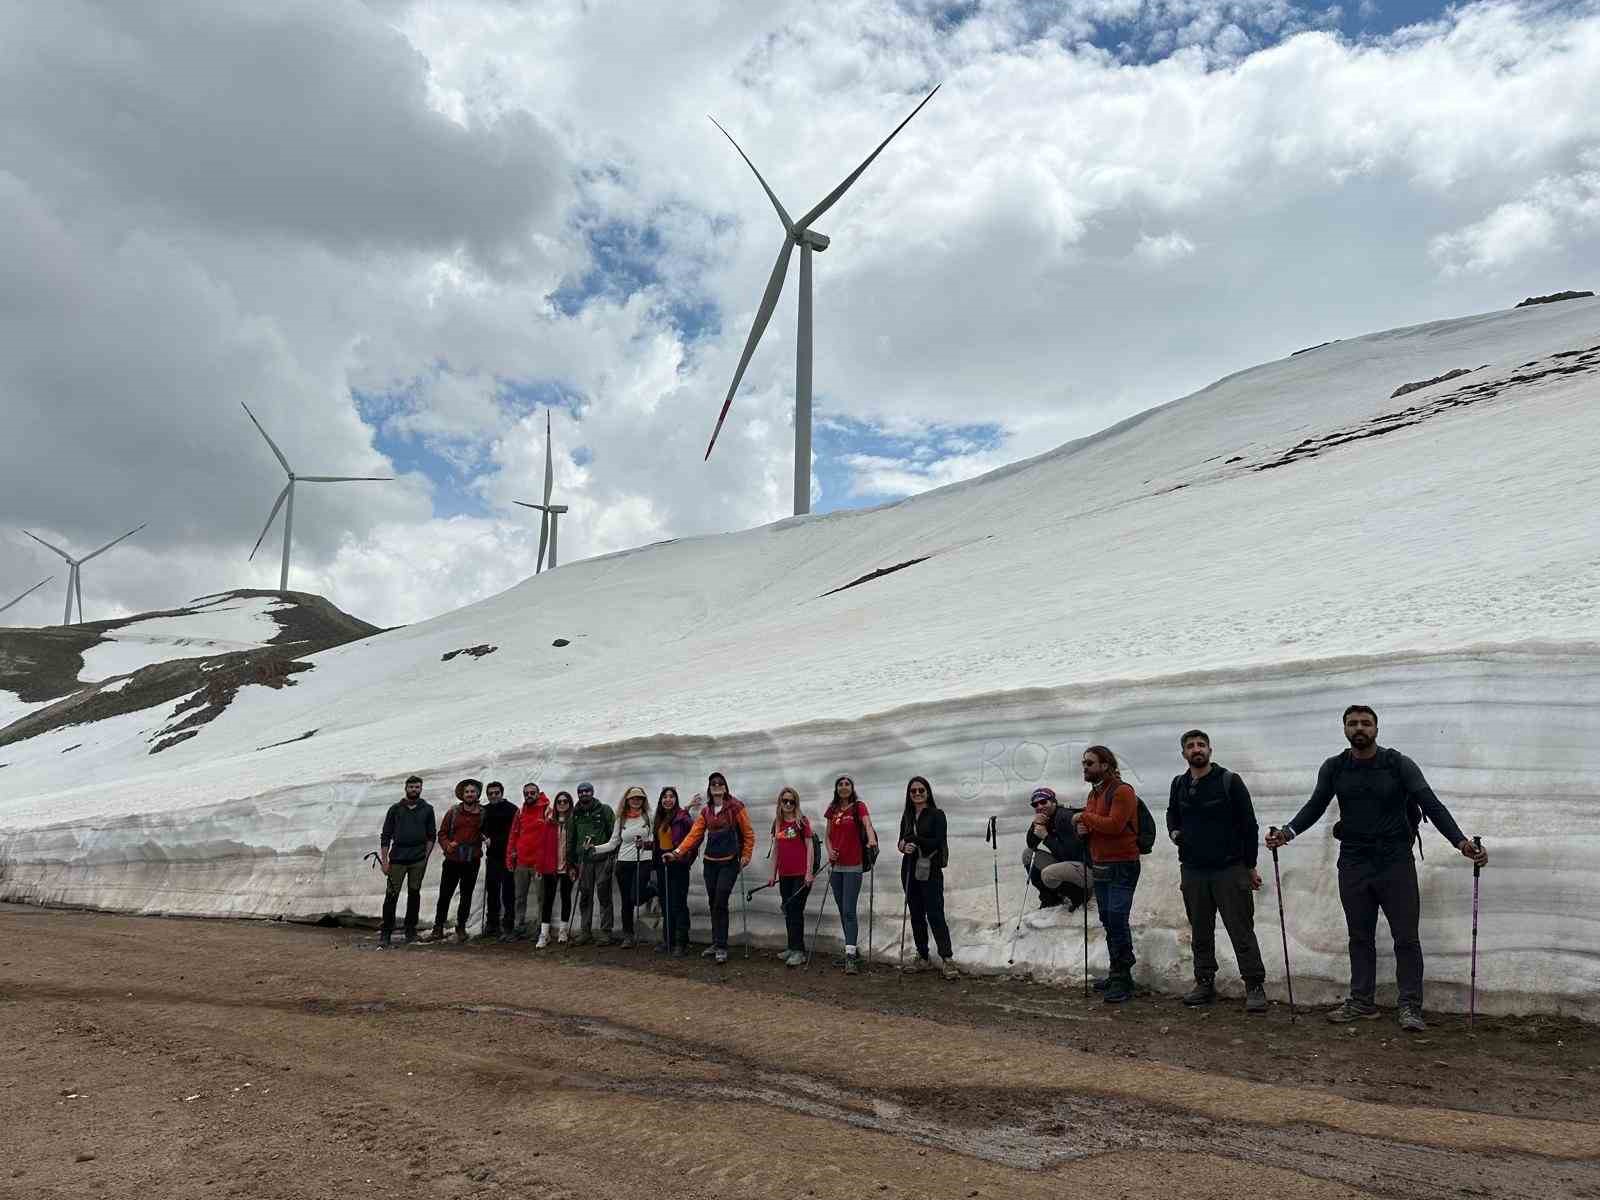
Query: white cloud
(1554, 212)
(1161, 249)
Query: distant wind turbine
(27, 593)
(795, 233)
(288, 494)
(550, 521)
(74, 578)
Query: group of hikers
(636, 858)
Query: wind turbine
(27, 593)
(288, 494)
(795, 233)
(74, 579)
(550, 522)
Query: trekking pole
(992, 836)
(817, 928)
(905, 907)
(1027, 879)
(666, 907)
(1472, 1002)
(1087, 892)
(1283, 926)
(744, 916)
(762, 888)
(638, 870)
(872, 904)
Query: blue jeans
(846, 887)
(1114, 884)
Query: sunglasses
(919, 791)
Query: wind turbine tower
(287, 496)
(795, 233)
(74, 577)
(549, 523)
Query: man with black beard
(1382, 799)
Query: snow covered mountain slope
(1249, 559)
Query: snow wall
(1501, 733)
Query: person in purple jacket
(672, 825)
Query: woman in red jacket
(791, 870)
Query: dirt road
(172, 1059)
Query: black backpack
(1146, 823)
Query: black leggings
(795, 892)
(634, 883)
(721, 878)
(547, 896)
(675, 928)
(925, 900)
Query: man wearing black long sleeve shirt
(1056, 860)
(1379, 790)
(1212, 822)
(500, 891)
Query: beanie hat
(462, 786)
(586, 786)
(1042, 793)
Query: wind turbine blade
(271, 517)
(270, 442)
(527, 504)
(769, 301)
(544, 540)
(48, 546)
(111, 543)
(549, 461)
(25, 594)
(345, 478)
(831, 197)
(77, 583)
(788, 225)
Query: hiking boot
(1203, 992)
(505, 939)
(562, 933)
(793, 958)
(720, 955)
(948, 969)
(411, 936)
(604, 939)
(627, 943)
(488, 935)
(1255, 998)
(1353, 1010)
(662, 948)
(852, 964)
(385, 938)
(680, 952)
(1119, 989)
(580, 939)
(709, 952)
(436, 934)
(544, 937)
(461, 937)
(1411, 1019)
(1100, 985)
(917, 965)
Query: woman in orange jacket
(730, 842)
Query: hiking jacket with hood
(594, 823)
(676, 829)
(535, 838)
(728, 834)
(409, 831)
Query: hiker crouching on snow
(461, 839)
(1382, 800)
(1212, 822)
(1110, 822)
(407, 840)
(1056, 860)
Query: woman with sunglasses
(672, 825)
(792, 871)
(852, 850)
(633, 840)
(730, 843)
(926, 852)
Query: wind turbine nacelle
(557, 508)
(810, 237)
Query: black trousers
(795, 890)
(925, 899)
(547, 896)
(675, 905)
(500, 893)
(451, 874)
(721, 878)
(636, 890)
(1368, 886)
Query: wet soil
(147, 1057)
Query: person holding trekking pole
(633, 837)
(461, 839)
(852, 852)
(1383, 798)
(409, 834)
(1212, 822)
(1109, 822)
(592, 852)
(925, 851)
(730, 843)
(672, 824)
(792, 871)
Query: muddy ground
(145, 1057)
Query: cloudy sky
(403, 231)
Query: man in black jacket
(409, 832)
(500, 891)
(1054, 860)
(1211, 820)
(1382, 800)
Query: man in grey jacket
(409, 833)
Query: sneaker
(488, 935)
(852, 964)
(436, 934)
(948, 969)
(1053, 917)
(709, 952)
(1119, 989)
(793, 958)
(582, 939)
(917, 965)
(680, 952)
(1203, 992)
(562, 935)
(1255, 998)
(385, 939)
(627, 943)
(720, 955)
(1353, 1010)
(1411, 1019)
(461, 937)
(544, 938)
(662, 948)
(604, 939)
(411, 936)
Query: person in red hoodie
(730, 842)
(792, 871)
(522, 848)
(1110, 822)
(461, 839)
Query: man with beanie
(590, 829)
(500, 890)
(1212, 822)
(1056, 859)
(461, 842)
(403, 849)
